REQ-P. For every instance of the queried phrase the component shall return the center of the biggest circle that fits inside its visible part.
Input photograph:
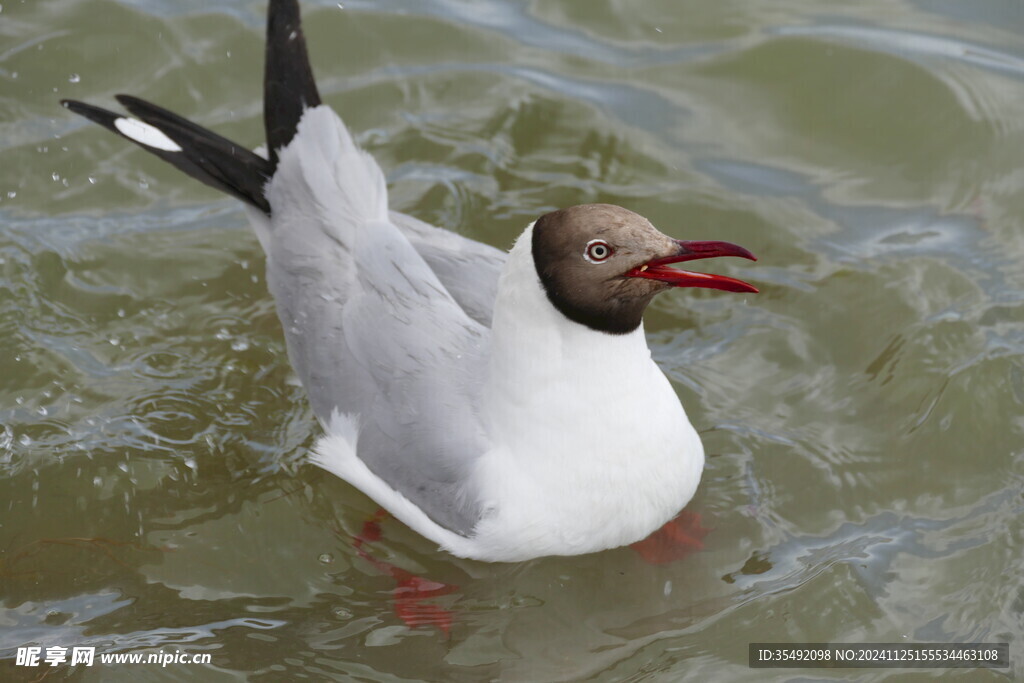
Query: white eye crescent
(597, 251)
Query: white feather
(145, 134)
(595, 450)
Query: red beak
(658, 269)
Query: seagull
(505, 406)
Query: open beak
(658, 269)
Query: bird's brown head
(600, 265)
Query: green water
(863, 415)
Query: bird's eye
(597, 251)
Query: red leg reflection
(412, 590)
(674, 541)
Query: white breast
(592, 449)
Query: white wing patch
(145, 134)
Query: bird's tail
(289, 89)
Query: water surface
(862, 415)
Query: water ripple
(909, 43)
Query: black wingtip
(288, 84)
(95, 114)
(198, 152)
(127, 100)
(288, 90)
(157, 115)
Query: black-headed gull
(504, 406)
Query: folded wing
(372, 331)
(386, 318)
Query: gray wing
(372, 330)
(468, 269)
